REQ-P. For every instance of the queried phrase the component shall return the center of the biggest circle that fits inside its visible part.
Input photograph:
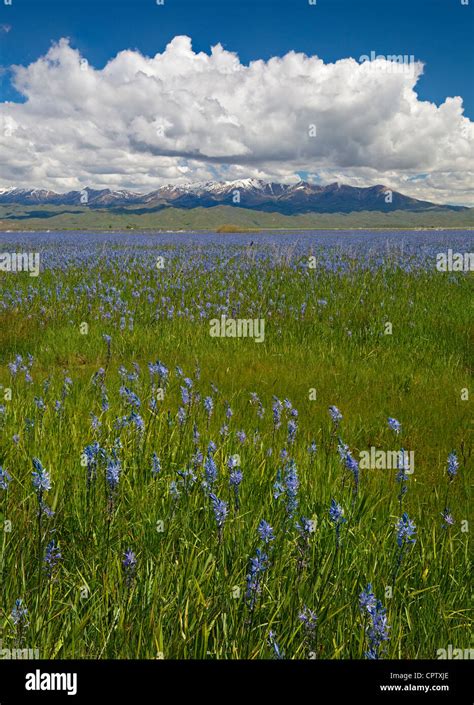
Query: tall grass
(186, 598)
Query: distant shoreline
(148, 231)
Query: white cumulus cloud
(183, 116)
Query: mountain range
(255, 194)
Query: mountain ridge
(255, 194)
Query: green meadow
(375, 342)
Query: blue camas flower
(5, 479)
(265, 531)
(40, 405)
(174, 491)
(378, 628)
(277, 408)
(235, 480)
(336, 512)
(291, 487)
(403, 467)
(367, 599)
(304, 527)
(95, 423)
(208, 406)
(406, 530)
(19, 615)
(353, 466)
(394, 425)
(277, 653)
(137, 421)
(129, 565)
(93, 453)
(187, 479)
(158, 369)
(349, 462)
(447, 519)
(292, 428)
(335, 415)
(41, 479)
(254, 400)
(210, 470)
(258, 566)
(113, 473)
(342, 449)
(233, 462)
(278, 488)
(309, 620)
(51, 558)
(453, 465)
(220, 511)
(155, 465)
(336, 515)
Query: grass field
(159, 494)
(60, 218)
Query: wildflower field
(169, 494)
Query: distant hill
(226, 218)
(286, 199)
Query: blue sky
(129, 94)
(438, 32)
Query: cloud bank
(141, 122)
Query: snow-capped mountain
(289, 199)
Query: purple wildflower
(277, 653)
(265, 531)
(208, 406)
(277, 409)
(406, 529)
(113, 473)
(220, 512)
(19, 615)
(292, 428)
(51, 558)
(129, 565)
(335, 415)
(235, 479)
(291, 487)
(309, 620)
(394, 425)
(447, 518)
(155, 465)
(41, 479)
(453, 465)
(5, 479)
(210, 470)
(336, 513)
(258, 566)
(378, 627)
